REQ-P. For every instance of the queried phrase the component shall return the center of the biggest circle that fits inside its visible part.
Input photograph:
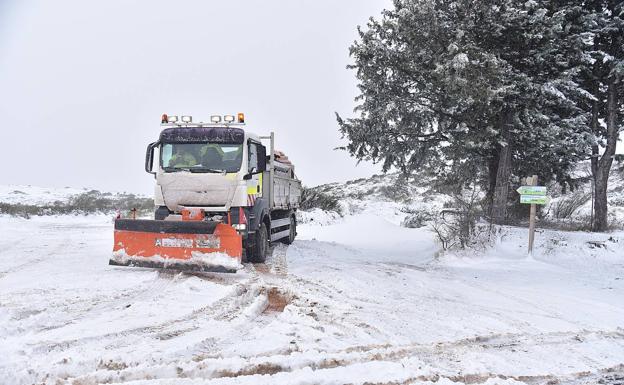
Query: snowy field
(35, 195)
(357, 300)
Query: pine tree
(447, 85)
(603, 27)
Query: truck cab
(212, 168)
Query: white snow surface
(355, 299)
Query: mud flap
(178, 245)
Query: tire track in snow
(329, 306)
(277, 262)
(146, 339)
(243, 295)
(241, 313)
(74, 310)
(268, 276)
(247, 304)
(440, 360)
(160, 330)
(244, 302)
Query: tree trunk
(600, 202)
(491, 186)
(499, 207)
(595, 155)
(602, 167)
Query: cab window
(253, 157)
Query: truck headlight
(239, 226)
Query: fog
(83, 84)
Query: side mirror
(262, 159)
(149, 157)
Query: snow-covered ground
(356, 300)
(35, 195)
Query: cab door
(255, 167)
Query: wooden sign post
(533, 195)
(532, 182)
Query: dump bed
(286, 187)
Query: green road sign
(531, 190)
(534, 199)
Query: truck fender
(260, 213)
(265, 218)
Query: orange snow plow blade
(178, 245)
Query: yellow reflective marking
(255, 186)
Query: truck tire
(161, 213)
(258, 251)
(293, 231)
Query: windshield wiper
(206, 169)
(175, 169)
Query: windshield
(201, 157)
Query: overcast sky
(83, 83)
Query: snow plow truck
(221, 198)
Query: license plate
(174, 242)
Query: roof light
(215, 118)
(173, 118)
(241, 117)
(228, 118)
(187, 118)
(163, 118)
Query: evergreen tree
(446, 84)
(603, 27)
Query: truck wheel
(260, 245)
(161, 213)
(293, 231)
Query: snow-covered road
(359, 301)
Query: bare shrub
(456, 227)
(416, 218)
(569, 204)
(399, 191)
(578, 224)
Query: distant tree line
(492, 91)
(312, 198)
(89, 202)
